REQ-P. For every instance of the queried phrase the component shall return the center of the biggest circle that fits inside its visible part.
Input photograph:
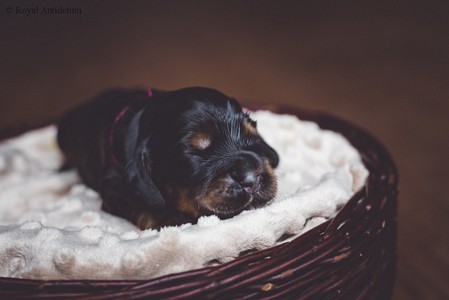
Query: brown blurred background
(382, 65)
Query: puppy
(167, 158)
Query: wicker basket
(352, 256)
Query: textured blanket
(52, 227)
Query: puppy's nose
(244, 171)
(247, 180)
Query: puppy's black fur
(169, 157)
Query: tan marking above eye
(200, 141)
(249, 128)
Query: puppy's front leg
(119, 198)
(112, 191)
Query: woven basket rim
(240, 276)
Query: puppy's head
(207, 156)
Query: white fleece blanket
(52, 227)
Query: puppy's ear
(265, 150)
(142, 186)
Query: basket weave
(352, 256)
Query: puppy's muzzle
(245, 175)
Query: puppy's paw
(157, 221)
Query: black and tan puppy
(166, 158)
